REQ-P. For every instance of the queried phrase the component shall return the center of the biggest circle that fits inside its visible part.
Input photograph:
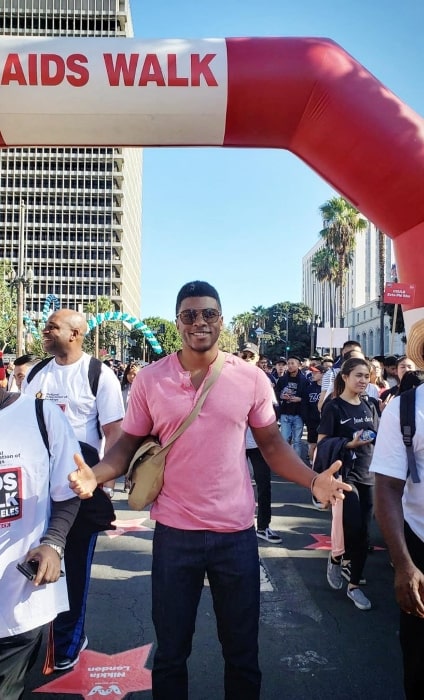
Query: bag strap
(216, 371)
(407, 426)
(42, 423)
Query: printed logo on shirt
(10, 494)
(342, 422)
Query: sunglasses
(189, 316)
(247, 356)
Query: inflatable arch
(98, 319)
(132, 321)
(51, 300)
(29, 325)
(306, 95)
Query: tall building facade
(362, 291)
(80, 208)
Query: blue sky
(243, 219)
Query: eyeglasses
(247, 356)
(189, 316)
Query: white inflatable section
(113, 91)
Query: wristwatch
(57, 548)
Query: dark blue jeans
(180, 560)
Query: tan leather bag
(147, 467)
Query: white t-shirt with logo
(28, 480)
(69, 387)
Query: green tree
(341, 224)
(7, 311)
(108, 332)
(166, 334)
(242, 326)
(228, 340)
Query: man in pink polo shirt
(205, 511)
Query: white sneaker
(358, 598)
(268, 535)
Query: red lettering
(52, 69)
(32, 69)
(200, 67)
(81, 74)
(173, 79)
(151, 71)
(13, 70)
(121, 66)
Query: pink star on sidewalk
(131, 525)
(322, 542)
(103, 674)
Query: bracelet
(57, 548)
(312, 484)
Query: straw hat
(415, 345)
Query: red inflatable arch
(306, 95)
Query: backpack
(407, 426)
(94, 370)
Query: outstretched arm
(116, 461)
(284, 461)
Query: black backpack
(407, 426)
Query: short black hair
(351, 342)
(196, 289)
(25, 359)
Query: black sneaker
(268, 535)
(346, 574)
(64, 664)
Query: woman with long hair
(127, 379)
(350, 417)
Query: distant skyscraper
(82, 205)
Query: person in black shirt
(348, 416)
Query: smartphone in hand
(28, 568)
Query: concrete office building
(81, 206)
(362, 315)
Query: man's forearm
(284, 461)
(117, 459)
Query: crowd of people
(96, 416)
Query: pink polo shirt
(207, 484)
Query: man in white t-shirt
(399, 508)
(37, 511)
(65, 381)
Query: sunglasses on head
(189, 316)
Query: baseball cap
(250, 347)
(281, 359)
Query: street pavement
(314, 643)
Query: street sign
(397, 293)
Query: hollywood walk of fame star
(130, 525)
(97, 675)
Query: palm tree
(341, 224)
(324, 266)
(242, 326)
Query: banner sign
(145, 89)
(397, 293)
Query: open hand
(82, 481)
(326, 488)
